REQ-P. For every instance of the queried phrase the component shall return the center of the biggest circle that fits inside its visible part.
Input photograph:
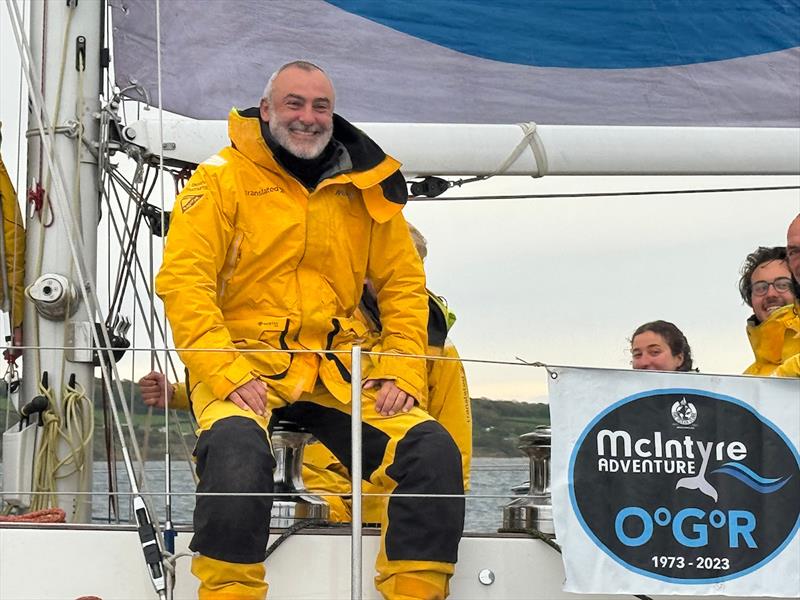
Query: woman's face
(649, 350)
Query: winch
(534, 510)
(294, 502)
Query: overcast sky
(565, 281)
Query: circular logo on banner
(686, 486)
(684, 412)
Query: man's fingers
(252, 399)
(380, 397)
(398, 402)
(389, 394)
(237, 400)
(391, 400)
(251, 396)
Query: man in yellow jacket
(12, 267)
(791, 366)
(774, 328)
(447, 401)
(269, 245)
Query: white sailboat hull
(66, 562)
(106, 562)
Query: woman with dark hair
(660, 346)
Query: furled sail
(599, 62)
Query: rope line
(771, 188)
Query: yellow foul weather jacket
(775, 343)
(256, 264)
(790, 367)
(448, 402)
(13, 275)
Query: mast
(66, 43)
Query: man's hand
(251, 396)
(152, 388)
(390, 399)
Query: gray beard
(283, 137)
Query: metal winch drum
(294, 502)
(533, 511)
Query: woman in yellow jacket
(12, 286)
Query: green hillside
(496, 424)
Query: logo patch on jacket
(189, 201)
(264, 191)
(196, 186)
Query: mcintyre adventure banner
(676, 483)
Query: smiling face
(300, 111)
(649, 350)
(773, 299)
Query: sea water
(491, 480)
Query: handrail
(355, 473)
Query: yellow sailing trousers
(403, 455)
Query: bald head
(298, 107)
(793, 247)
(303, 65)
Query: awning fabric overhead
(587, 62)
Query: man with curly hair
(766, 286)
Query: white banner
(676, 483)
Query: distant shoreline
(496, 426)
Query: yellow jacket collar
(768, 337)
(372, 171)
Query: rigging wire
(125, 269)
(607, 194)
(168, 534)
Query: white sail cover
(575, 62)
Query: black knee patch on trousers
(233, 456)
(427, 461)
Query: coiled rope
(48, 515)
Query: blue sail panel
(587, 62)
(593, 34)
